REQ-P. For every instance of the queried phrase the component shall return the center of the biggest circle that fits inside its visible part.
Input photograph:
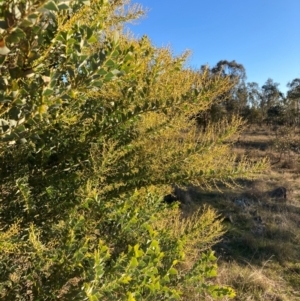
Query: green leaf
(137, 251)
(130, 297)
(166, 278)
(89, 32)
(102, 71)
(2, 59)
(62, 37)
(93, 298)
(128, 57)
(212, 273)
(110, 63)
(109, 77)
(97, 83)
(63, 6)
(3, 24)
(173, 271)
(26, 23)
(48, 92)
(133, 263)
(43, 109)
(16, 35)
(126, 279)
(155, 245)
(212, 257)
(15, 113)
(92, 40)
(14, 85)
(51, 6)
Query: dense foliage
(95, 126)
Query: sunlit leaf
(92, 40)
(130, 297)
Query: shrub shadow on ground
(258, 226)
(262, 221)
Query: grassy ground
(260, 253)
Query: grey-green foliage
(102, 118)
(46, 61)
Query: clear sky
(263, 35)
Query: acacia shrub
(94, 129)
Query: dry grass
(252, 282)
(260, 254)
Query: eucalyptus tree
(271, 95)
(235, 100)
(293, 99)
(254, 94)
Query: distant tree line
(257, 105)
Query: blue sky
(263, 35)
